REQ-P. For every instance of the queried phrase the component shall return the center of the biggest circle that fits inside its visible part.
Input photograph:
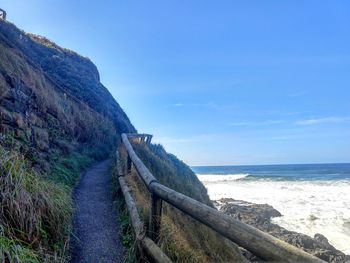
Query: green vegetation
(182, 238)
(67, 170)
(36, 206)
(35, 213)
(35, 219)
(127, 235)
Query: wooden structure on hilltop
(261, 244)
(147, 138)
(2, 14)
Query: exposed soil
(96, 235)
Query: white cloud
(256, 123)
(325, 120)
(303, 122)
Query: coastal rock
(259, 216)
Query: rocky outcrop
(259, 216)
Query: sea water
(313, 198)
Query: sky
(216, 82)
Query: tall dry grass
(182, 238)
(34, 213)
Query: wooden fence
(257, 242)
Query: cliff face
(55, 117)
(51, 99)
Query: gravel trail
(96, 233)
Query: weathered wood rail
(257, 242)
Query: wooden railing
(257, 242)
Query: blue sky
(224, 82)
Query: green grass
(14, 252)
(67, 170)
(35, 213)
(36, 209)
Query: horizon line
(266, 164)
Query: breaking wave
(308, 207)
(220, 178)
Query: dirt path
(96, 236)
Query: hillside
(50, 95)
(56, 118)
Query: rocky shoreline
(259, 216)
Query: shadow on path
(96, 236)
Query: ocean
(313, 198)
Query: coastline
(260, 215)
(312, 198)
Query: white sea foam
(218, 178)
(308, 207)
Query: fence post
(128, 164)
(142, 139)
(155, 217)
(148, 139)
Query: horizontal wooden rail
(138, 135)
(131, 206)
(259, 243)
(146, 243)
(145, 174)
(141, 137)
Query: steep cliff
(56, 118)
(51, 99)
